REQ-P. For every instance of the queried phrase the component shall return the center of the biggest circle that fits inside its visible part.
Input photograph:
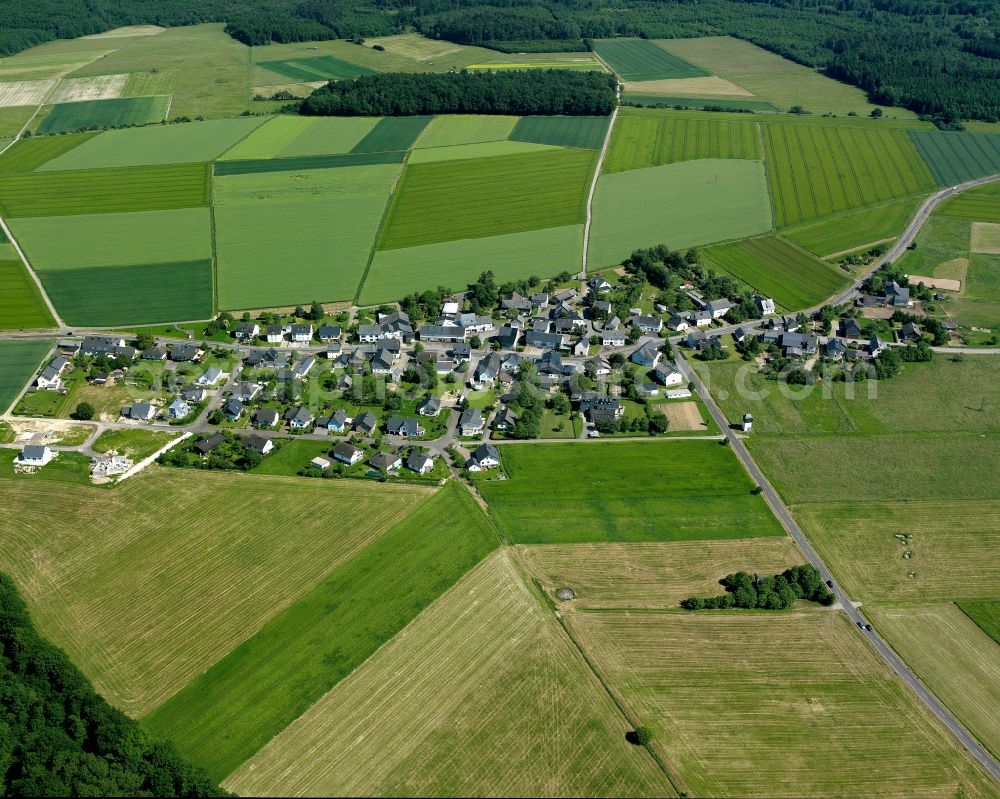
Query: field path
(593, 188)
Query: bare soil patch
(683, 415)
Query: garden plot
(24, 92)
(98, 87)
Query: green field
(644, 139)
(392, 134)
(981, 204)
(18, 362)
(455, 264)
(29, 154)
(451, 129)
(957, 157)
(775, 268)
(561, 131)
(819, 170)
(327, 217)
(634, 98)
(305, 162)
(21, 305)
(486, 149)
(121, 112)
(855, 229)
(986, 614)
(85, 240)
(680, 205)
(452, 200)
(290, 136)
(98, 191)
(162, 144)
(625, 491)
(292, 457)
(134, 443)
(135, 294)
(228, 713)
(640, 59)
(321, 67)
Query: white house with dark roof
(485, 456)
(209, 377)
(471, 422)
(420, 462)
(50, 378)
(347, 453)
(34, 455)
(647, 355)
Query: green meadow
(121, 112)
(21, 305)
(562, 131)
(640, 59)
(18, 361)
(451, 129)
(289, 136)
(852, 230)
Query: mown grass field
(625, 491)
(952, 657)
(643, 139)
(500, 704)
(451, 129)
(786, 704)
(981, 204)
(321, 67)
(289, 136)
(640, 59)
(776, 268)
(955, 157)
(454, 264)
(651, 574)
(452, 200)
(69, 117)
(853, 230)
(95, 191)
(986, 614)
(680, 205)
(21, 305)
(561, 131)
(18, 362)
(189, 570)
(328, 217)
(819, 170)
(161, 144)
(226, 714)
(293, 456)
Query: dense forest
(59, 738)
(549, 91)
(938, 58)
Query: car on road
(861, 625)
(829, 583)
(868, 627)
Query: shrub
(83, 412)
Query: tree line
(60, 738)
(778, 592)
(549, 91)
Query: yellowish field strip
(98, 87)
(24, 92)
(127, 31)
(652, 575)
(953, 657)
(481, 695)
(147, 585)
(781, 704)
(985, 238)
(696, 87)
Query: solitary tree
(640, 736)
(84, 411)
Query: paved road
(985, 759)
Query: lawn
(316, 68)
(501, 703)
(66, 467)
(819, 170)
(451, 129)
(161, 144)
(120, 112)
(651, 574)
(986, 614)
(625, 491)
(562, 131)
(290, 136)
(292, 457)
(853, 230)
(643, 139)
(451, 200)
(776, 268)
(96, 191)
(952, 657)
(135, 444)
(455, 264)
(780, 704)
(21, 305)
(225, 715)
(956, 157)
(18, 362)
(640, 59)
(680, 205)
(327, 217)
(186, 571)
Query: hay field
(952, 657)
(99, 87)
(651, 574)
(786, 704)
(314, 68)
(21, 305)
(134, 443)
(982, 203)
(18, 362)
(291, 136)
(985, 238)
(150, 584)
(625, 491)
(481, 694)
(853, 230)
(986, 615)
(24, 92)
(28, 154)
(680, 205)
(393, 134)
(227, 713)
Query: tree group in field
(779, 592)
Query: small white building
(35, 455)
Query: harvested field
(452, 129)
(24, 92)
(226, 714)
(734, 724)
(952, 657)
(852, 230)
(21, 305)
(122, 112)
(985, 238)
(651, 575)
(392, 134)
(18, 362)
(99, 87)
(683, 415)
(955, 157)
(500, 705)
(291, 136)
(641, 60)
(942, 283)
(145, 605)
(321, 67)
(561, 131)
(625, 491)
(694, 87)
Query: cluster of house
(894, 296)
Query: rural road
(593, 188)
(985, 759)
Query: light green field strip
(445, 131)
(288, 136)
(18, 361)
(481, 150)
(144, 237)
(855, 229)
(455, 264)
(167, 144)
(285, 238)
(680, 205)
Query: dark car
(829, 583)
(868, 627)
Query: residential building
(265, 417)
(430, 406)
(347, 453)
(50, 378)
(403, 427)
(420, 462)
(485, 456)
(34, 455)
(385, 461)
(178, 409)
(233, 409)
(648, 355)
(299, 418)
(471, 422)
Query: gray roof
(345, 450)
(418, 460)
(484, 451)
(383, 460)
(401, 425)
(471, 417)
(33, 452)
